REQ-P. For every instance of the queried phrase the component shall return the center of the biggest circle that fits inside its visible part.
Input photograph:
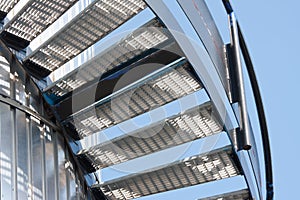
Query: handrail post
(245, 141)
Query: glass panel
(5, 152)
(35, 103)
(4, 77)
(50, 170)
(37, 170)
(20, 91)
(22, 147)
(72, 183)
(81, 194)
(62, 182)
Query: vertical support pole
(56, 165)
(67, 169)
(13, 79)
(14, 177)
(29, 155)
(245, 139)
(43, 157)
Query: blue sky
(271, 29)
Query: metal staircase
(157, 96)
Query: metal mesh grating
(7, 5)
(145, 38)
(216, 165)
(156, 91)
(197, 123)
(239, 195)
(93, 23)
(36, 16)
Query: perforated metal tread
(156, 90)
(215, 165)
(147, 37)
(196, 123)
(35, 16)
(237, 195)
(93, 23)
